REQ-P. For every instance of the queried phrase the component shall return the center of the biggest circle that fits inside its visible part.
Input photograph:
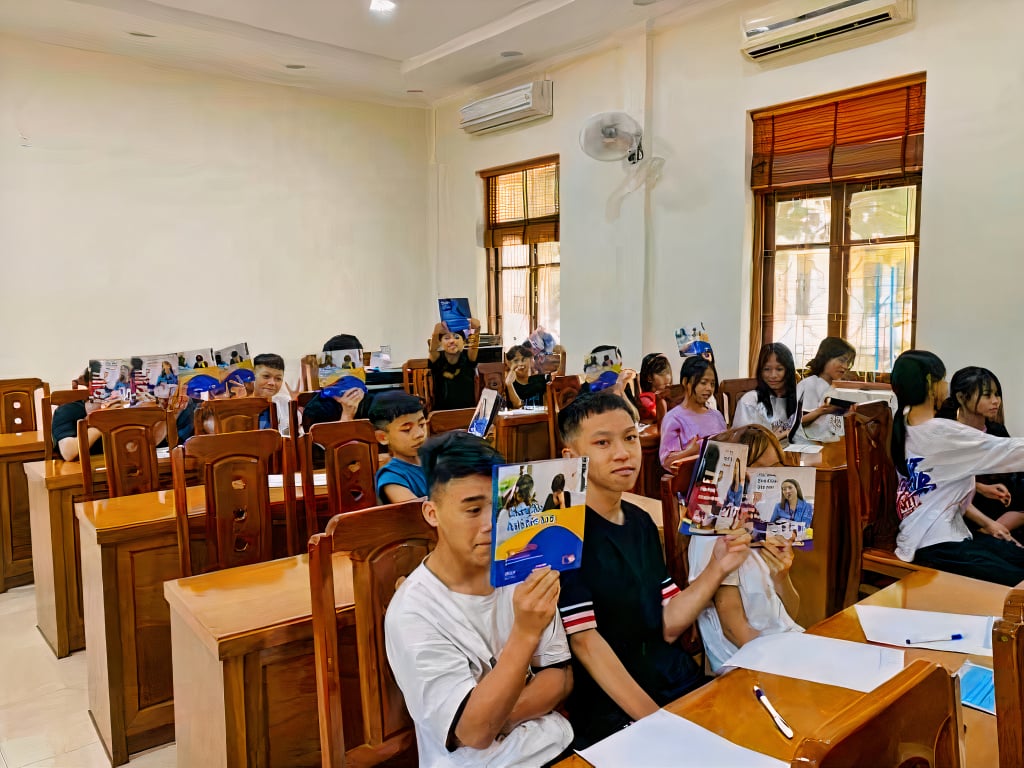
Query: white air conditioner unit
(517, 105)
(793, 24)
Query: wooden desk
(929, 590)
(523, 435)
(244, 678)
(16, 449)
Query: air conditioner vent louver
(516, 105)
(768, 50)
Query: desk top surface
(20, 442)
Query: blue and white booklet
(455, 314)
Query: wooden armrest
(885, 562)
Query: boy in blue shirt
(400, 424)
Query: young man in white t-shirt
(481, 669)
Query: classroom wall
(689, 251)
(151, 210)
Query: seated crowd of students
(487, 672)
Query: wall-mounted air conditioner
(794, 24)
(516, 105)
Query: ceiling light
(510, 54)
(141, 34)
(383, 7)
(415, 90)
(294, 66)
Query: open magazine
(111, 379)
(206, 372)
(693, 340)
(155, 376)
(340, 370)
(538, 511)
(725, 494)
(601, 369)
(486, 409)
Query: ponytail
(913, 374)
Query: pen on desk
(941, 639)
(781, 724)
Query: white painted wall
(698, 244)
(147, 210)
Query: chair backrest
(50, 403)
(416, 380)
(553, 364)
(234, 468)
(731, 391)
(385, 545)
(309, 373)
(677, 561)
(351, 460)
(911, 721)
(18, 404)
(1008, 663)
(561, 391)
(439, 422)
(763, 447)
(871, 487)
(233, 414)
(296, 406)
(491, 376)
(668, 399)
(129, 449)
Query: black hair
(764, 392)
(558, 483)
(269, 360)
(455, 455)
(524, 490)
(913, 374)
(606, 348)
(693, 369)
(524, 350)
(588, 404)
(392, 405)
(653, 363)
(342, 341)
(795, 484)
(966, 387)
(830, 348)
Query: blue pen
(942, 639)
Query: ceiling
(432, 48)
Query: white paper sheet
(857, 666)
(803, 448)
(894, 626)
(664, 740)
(524, 410)
(277, 481)
(163, 453)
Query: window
(838, 187)
(523, 256)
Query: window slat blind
(522, 206)
(872, 132)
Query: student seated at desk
(936, 463)
(758, 598)
(621, 610)
(268, 369)
(351, 405)
(481, 669)
(684, 426)
(819, 421)
(400, 425)
(522, 388)
(453, 366)
(64, 426)
(655, 376)
(773, 403)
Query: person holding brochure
(655, 376)
(621, 610)
(684, 426)
(936, 463)
(348, 406)
(522, 388)
(453, 366)
(481, 669)
(773, 403)
(819, 420)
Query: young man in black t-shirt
(621, 610)
(453, 366)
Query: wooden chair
(553, 364)
(673, 494)
(561, 391)
(911, 721)
(878, 385)
(491, 376)
(871, 485)
(731, 391)
(50, 403)
(351, 460)
(18, 404)
(233, 414)
(295, 408)
(129, 449)
(668, 399)
(763, 447)
(385, 544)
(417, 380)
(234, 469)
(439, 422)
(309, 373)
(1008, 663)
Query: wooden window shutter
(522, 204)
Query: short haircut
(455, 455)
(269, 360)
(392, 405)
(342, 341)
(524, 350)
(831, 347)
(588, 404)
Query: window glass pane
(880, 284)
(883, 213)
(515, 256)
(800, 311)
(548, 253)
(508, 203)
(542, 190)
(549, 292)
(515, 306)
(799, 222)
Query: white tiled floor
(44, 708)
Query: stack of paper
(927, 629)
(663, 740)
